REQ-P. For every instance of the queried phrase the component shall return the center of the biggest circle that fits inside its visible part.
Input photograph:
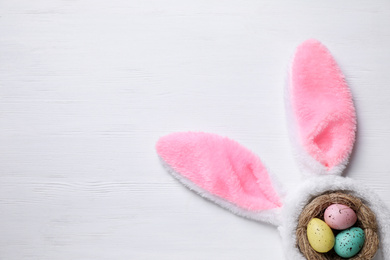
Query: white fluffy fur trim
(315, 186)
(272, 216)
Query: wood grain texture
(87, 87)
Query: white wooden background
(88, 86)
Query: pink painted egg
(339, 216)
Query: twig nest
(366, 220)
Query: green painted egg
(349, 242)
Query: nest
(315, 209)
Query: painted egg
(339, 216)
(349, 242)
(320, 235)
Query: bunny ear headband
(322, 123)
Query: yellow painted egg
(320, 235)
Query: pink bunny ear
(321, 103)
(223, 171)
